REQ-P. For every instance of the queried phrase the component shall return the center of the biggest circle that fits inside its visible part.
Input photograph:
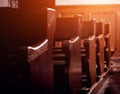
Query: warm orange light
(3, 3)
(84, 2)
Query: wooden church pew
(107, 48)
(26, 49)
(105, 30)
(68, 76)
(88, 52)
(100, 49)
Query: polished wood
(74, 66)
(107, 49)
(62, 26)
(45, 70)
(88, 51)
(27, 39)
(107, 13)
(100, 47)
(67, 33)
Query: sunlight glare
(84, 2)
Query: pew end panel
(74, 67)
(88, 52)
(101, 54)
(92, 61)
(23, 29)
(107, 29)
(100, 49)
(40, 70)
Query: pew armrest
(36, 50)
(72, 51)
(75, 55)
(100, 36)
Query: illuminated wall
(3, 3)
(9, 3)
(84, 2)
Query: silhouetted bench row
(45, 54)
(95, 53)
(26, 49)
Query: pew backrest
(88, 28)
(66, 28)
(99, 28)
(107, 28)
(22, 29)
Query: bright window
(9, 3)
(3, 3)
(85, 2)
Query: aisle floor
(111, 85)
